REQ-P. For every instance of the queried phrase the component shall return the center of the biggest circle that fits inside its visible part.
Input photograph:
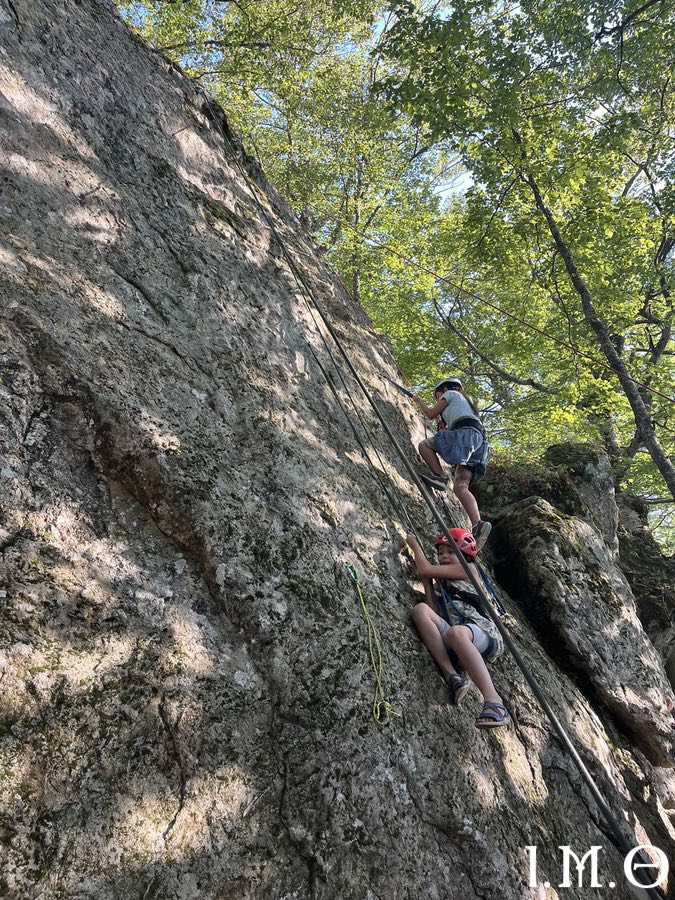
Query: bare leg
(463, 494)
(460, 639)
(425, 621)
(429, 456)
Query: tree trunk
(356, 272)
(629, 386)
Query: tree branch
(608, 32)
(628, 384)
(500, 200)
(223, 44)
(507, 376)
(631, 181)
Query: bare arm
(427, 584)
(427, 570)
(431, 412)
(452, 571)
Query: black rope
(487, 581)
(396, 504)
(378, 476)
(605, 809)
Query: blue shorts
(463, 447)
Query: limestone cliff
(186, 688)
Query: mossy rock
(575, 457)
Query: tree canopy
(547, 280)
(564, 115)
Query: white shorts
(481, 639)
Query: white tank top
(458, 408)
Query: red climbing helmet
(463, 538)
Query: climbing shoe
(437, 482)
(481, 531)
(493, 715)
(458, 687)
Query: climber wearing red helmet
(461, 638)
(460, 443)
(462, 538)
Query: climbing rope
(378, 476)
(614, 825)
(382, 709)
(395, 503)
(487, 581)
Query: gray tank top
(458, 408)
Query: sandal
(493, 715)
(458, 687)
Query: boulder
(566, 580)
(651, 575)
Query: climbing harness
(382, 709)
(622, 841)
(449, 596)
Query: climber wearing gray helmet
(461, 444)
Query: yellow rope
(382, 709)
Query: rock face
(585, 612)
(186, 686)
(652, 577)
